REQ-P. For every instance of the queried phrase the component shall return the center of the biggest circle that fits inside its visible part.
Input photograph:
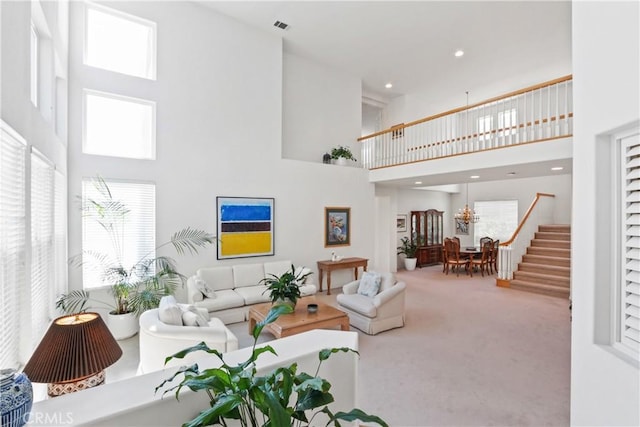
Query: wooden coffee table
(301, 320)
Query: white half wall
(605, 388)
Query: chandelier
(467, 215)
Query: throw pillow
(301, 271)
(169, 312)
(200, 315)
(204, 287)
(369, 284)
(189, 318)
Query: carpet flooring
(470, 354)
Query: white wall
(605, 388)
(321, 109)
(219, 121)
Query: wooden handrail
(468, 107)
(526, 216)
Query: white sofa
(159, 340)
(372, 315)
(237, 287)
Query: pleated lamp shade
(75, 347)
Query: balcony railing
(537, 113)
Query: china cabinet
(426, 232)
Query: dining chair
(493, 259)
(453, 256)
(484, 240)
(483, 262)
(445, 266)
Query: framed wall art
(461, 227)
(401, 223)
(337, 227)
(244, 227)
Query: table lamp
(73, 354)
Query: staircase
(546, 267)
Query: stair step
(544, 251)
(551, 290)
(547, 235)
(547, 260)
(544, 279)
(552, 270)
(555, 228)
(559, 244)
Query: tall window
(627, 298)
(507, 120)
(118, 126)
(119, 42)
(485, 125)
(12, 242)
(42, 246)
(498, 219)
(34, 66)
(134, 233)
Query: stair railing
(510, 253)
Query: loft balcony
(531, 127)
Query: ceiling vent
(281, 25)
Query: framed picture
(337, 225)
(461, 227)
(401, 223)
(244, 227)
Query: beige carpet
(470, 354)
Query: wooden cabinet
(426, 232)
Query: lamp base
(58, 389)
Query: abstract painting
(337, 226)
(245, 227)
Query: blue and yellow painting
(245, 227)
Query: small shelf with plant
(341, 152)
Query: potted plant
(280, 398)
(285, 289)
(341, 155)
(409, 249)
(135, 288)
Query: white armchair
(159, 340)
(374, 314)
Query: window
(34, 66)
(498, 220)
(628, 286)
(42, 246)
(137, 230)
(12, 242)
(60, 231)
(118, 126)
(485, 124)
(119, 42)
(507, 120)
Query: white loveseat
(377, 313)
(237, 287)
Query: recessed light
(458, 53)
(557, 168)
(388, 85)
(474, 176)
(418, 182)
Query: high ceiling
(411, 43)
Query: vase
(17, 397)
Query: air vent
(281, 25)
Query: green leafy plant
(344, 152)
(285, 287)
(237, 393)
(408, 248)
(141, 286)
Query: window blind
(134, 235)
(12, 242)
(498, 219)
(42, 247)
(629, 309)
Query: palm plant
(134, 288)
(408, 248)
(237, 393)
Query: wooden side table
(329, 266)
